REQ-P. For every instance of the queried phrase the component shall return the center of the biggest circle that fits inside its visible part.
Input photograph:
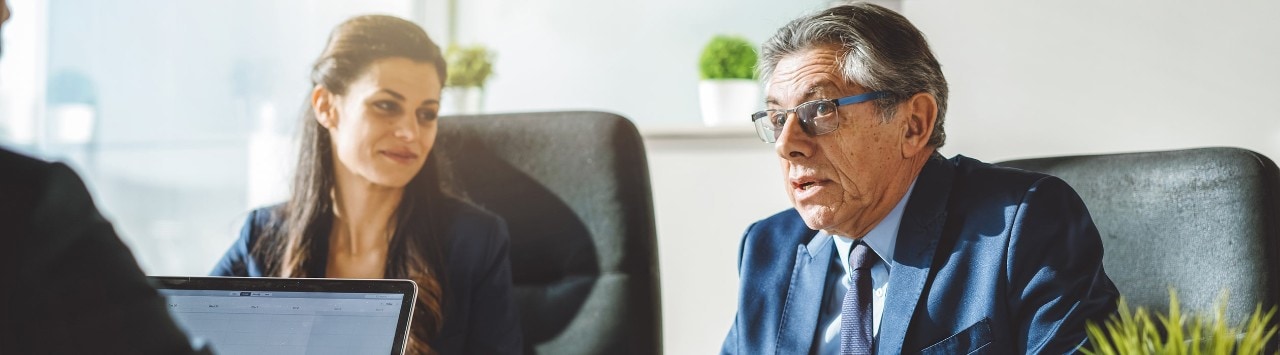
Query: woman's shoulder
(239, 259)
(265, 217)
(259, 221)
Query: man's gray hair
(882, 52)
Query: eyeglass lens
(816, 117)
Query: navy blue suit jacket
(479, 312)
(988, 260)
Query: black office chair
(1199, 220)
(574, 190)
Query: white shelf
(695, 131)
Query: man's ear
(324, 107)
(920, 113)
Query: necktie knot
(862, 257)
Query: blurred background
(180, 114)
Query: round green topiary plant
(469, 66)
(728, 57)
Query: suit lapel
(922, 224)
(804, 296)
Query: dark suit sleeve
(730, 345)
(235, 261)
(1056, 279)
(495, 324)
(80, 288)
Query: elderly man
(892, 248)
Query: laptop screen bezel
(407, 289)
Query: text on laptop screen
(269, 322)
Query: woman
(367, 202)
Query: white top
(881, 240)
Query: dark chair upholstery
(1199, 220)
(574, 190)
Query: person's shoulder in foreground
(72, 286)
(989, 258)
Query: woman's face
(385, 125)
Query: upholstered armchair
(574, 190)
(1200, 220)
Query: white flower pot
(462, 101)
(729, 102)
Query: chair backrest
(1201, 221)
(574, 190)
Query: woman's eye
(425, 115)
(386, 106)
(824, 109)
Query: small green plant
(1179, 333)
(728, 57)
(469, 66)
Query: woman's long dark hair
(415, 251)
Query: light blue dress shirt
(881, 239)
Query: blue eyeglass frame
(808, 125)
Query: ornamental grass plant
(1178, 333)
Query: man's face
(846, 181)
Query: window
(179, 115)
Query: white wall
(636, 58)
(1101, 76)
(705, 193)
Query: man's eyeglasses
(817, 117)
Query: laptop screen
(292, 316)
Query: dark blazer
(70, 285)
(479, 312)
(988, 260)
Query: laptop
(249, 316)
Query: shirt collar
(884, 236)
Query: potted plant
(1179, 333)
(728, 91)
(469, 68)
